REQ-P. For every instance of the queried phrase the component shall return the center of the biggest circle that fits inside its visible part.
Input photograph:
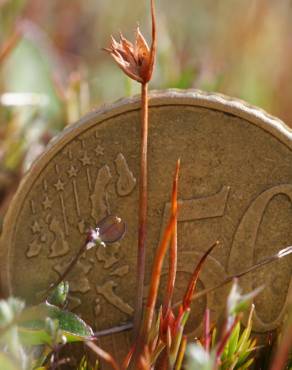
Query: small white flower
(94, 239)
(90, 245)
(95, 234)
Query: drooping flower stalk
(110, 229)
(137, 62)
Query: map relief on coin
(235, 186)
(83, 176)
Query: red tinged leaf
(168, 321)
(144, 360)
(128, 358)
(159, 257)
(281, 254)
(193, 282)
(173, 247)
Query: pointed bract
(137, 61)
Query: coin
(235, 186)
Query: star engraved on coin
(72, 172)
(99, 150)
(85, 159)
(47, 203)
(59, 185)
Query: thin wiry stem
(68, 268)
(282, 253)
(142, 208)
(114, 330)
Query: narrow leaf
(173, 246)
(282, 253)
(181, 354)
(192, 284)
(233, 340)
(159, 258)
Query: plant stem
(114, 330)
(282, 253)
(68, 268)
(142, 208)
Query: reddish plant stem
(142, 209)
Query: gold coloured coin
(235, 186)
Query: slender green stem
(142, 209)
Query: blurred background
(52, 68)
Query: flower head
(108, 231)
(136, 60)
(93, 239)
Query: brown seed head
(136, 60)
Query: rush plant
(33, 337)
(137, 61)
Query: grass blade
(193, 282)
(159, 258)
(173, 247)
